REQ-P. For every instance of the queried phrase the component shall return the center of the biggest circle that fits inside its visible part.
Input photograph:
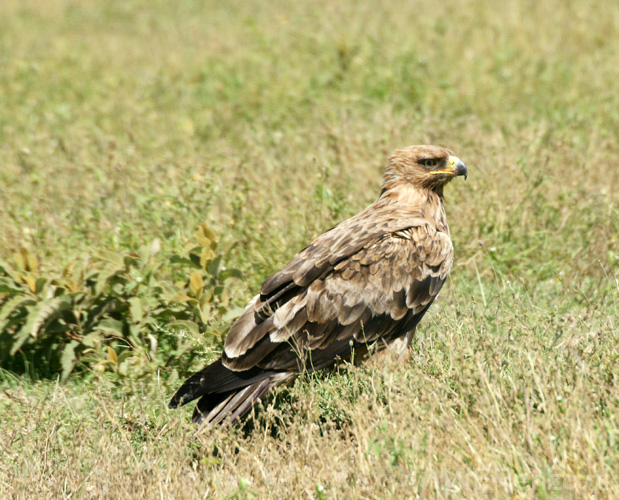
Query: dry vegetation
(122, 122)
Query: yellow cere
(453, 161)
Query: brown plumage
(362, 286)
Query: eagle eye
(430, 162)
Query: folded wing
(316, 308)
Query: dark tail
(224, 393)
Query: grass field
(126, 122)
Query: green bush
(113, 312)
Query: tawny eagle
(361, 287)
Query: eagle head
(425, 167)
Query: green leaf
(111, 354)
(19, 340)
(207, 254)
(20, 261)
(30, 259)
(31, 284)
(196, 284)
(185, 325)
(92, 339)
(43, 311)
(137, 309)
(179, 297)
(207, 297)
(112, 257)
(177, 259)
(205, 236)
(124, 363)
(40, 284)
(8, 269)
(232, 314)
(205, 312)
(68, 360)
(109, 325)
(215, 266)
(230, 273)
(17, 302)
(195, 259)
(10, 286)
(131, 260)
(104, 276)
(122, 359)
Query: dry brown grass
(476, 417)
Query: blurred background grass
(122, 122)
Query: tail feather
(231, 406)
(208, 405)
(249, 401)
(216, 379)
(224, 393)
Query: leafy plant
(113, 312)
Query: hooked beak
(456, 167)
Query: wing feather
(343, 241)
(379, 290)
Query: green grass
(122, 122)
